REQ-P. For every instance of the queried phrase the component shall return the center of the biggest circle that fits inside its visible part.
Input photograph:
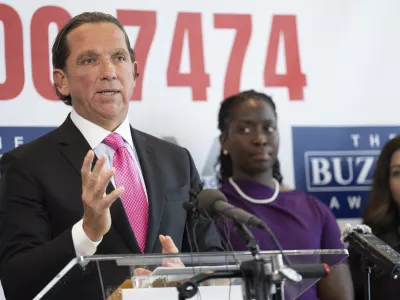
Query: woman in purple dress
(250, 179)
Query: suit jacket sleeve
(203, 230)
(30, 255)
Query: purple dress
(298, 220)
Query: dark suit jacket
(40, 201)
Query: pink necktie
(134, 198)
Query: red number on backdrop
(197, 79)
(294, 79)
(14, 56)
(146, 20)
(40, 47)
(242, 25)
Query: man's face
(99, 75)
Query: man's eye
(120, 58)
(88, 61)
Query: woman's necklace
(256, 201)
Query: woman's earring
(225, 152)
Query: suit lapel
(154, 185)
(74, 148)
(73, 145)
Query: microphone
(372, 249)
(214, 203)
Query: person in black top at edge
(382, 214)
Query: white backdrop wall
(337, 61)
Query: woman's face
(251, 137)
(394, 178)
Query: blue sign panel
(336, 164)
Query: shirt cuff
(82, 244)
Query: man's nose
(108, 70)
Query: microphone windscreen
(207, 198)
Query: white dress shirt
(95, 135)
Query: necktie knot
(115, 141)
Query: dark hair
(61, 49)
(381, 212)
(225, 117)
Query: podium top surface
(332, 255)
(108, 277)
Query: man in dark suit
(57, 195)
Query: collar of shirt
(94, 134)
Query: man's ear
(61, 82)
(135, 70)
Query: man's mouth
(108, 92)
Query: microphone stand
(367, 267)
(258, 282)
(262, 280)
